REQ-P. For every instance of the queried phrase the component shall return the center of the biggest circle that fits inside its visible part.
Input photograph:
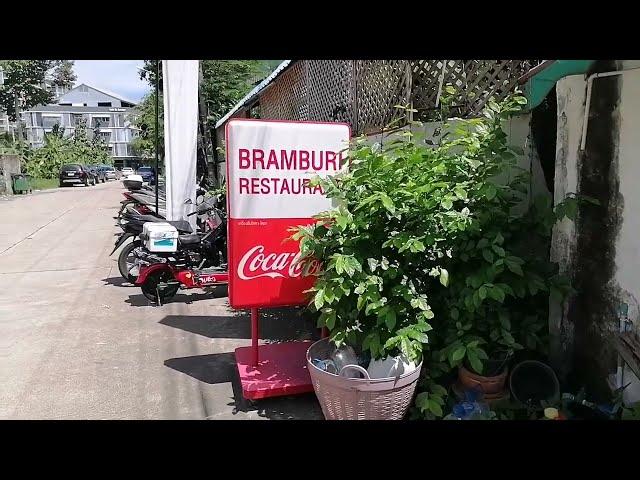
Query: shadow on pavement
(142, 301)
(276, 325)
(221, 368)
(117, 282)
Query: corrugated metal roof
(253, 93)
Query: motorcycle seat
(192, 239)
(181, 225)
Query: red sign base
(281, 370)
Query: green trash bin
(20, 183)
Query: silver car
(110, 173)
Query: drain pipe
(590, 80)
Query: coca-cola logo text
(255, 264)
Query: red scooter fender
(149, 269)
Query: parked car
(148, 175)
(97, 172)
(109, 172)
(127, 171)
(75, 173)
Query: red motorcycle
(162, 275)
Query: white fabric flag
(180, 88)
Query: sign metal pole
(254, 336)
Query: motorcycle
(135, 211)
(162, 275)
(132, 226)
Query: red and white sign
(269, 166)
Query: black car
(98, 173)
(75, 173)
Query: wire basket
(343, 398)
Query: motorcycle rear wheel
(150, 290)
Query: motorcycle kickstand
(158, 297)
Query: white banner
(180, 88)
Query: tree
(145, 119)
(224, 82)
(63, 74)
(24, 85)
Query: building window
(104, 104)
(101, 121)
(105, 136)
(49, 122)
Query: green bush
(58, 150)
(428, 255)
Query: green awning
(541, 79)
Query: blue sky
(118, 76)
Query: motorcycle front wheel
(126, 261)
(150, 287)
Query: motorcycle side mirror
(188, 201)
(199, 200)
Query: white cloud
(118, 76)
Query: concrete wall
(518, 130)
(8, 164)
(602, 252)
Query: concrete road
(77, 342)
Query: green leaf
(444, 277)
(513, 265)
(455, 314)
(435, 408)
(390, 319)
(361, 302)
(496, 293)
(482, 243)
(331, 321)
(481, 354)
(447, 203)
(342, 222)
(460, 193)
(482, 292)
(490, 191)
(387, 202)
(422, 400)
(488, 256)
(504, 320)
(458, 353)
(319, 299)
(474, 361)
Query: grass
(44, 183)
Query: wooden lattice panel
(330, 90)
(286, 98)
(364, 93)
(380, 86)
(476, 81)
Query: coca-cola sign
(255, 264)
(270, 166)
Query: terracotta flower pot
(488, 385)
